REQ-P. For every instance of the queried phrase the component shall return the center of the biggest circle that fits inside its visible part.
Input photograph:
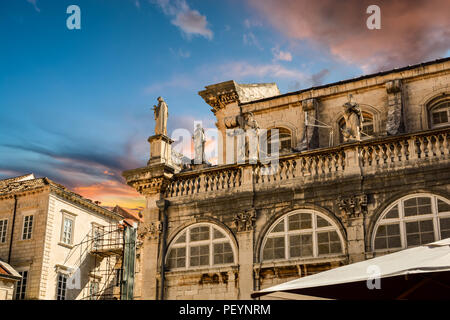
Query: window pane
(177, 258)
(199, 233)
(199, 255)
(419, 232)
(218, 234)
(182, 238)
(300, 245)
(443, 207)
(274, 248)
(417, 206)
(279, 227)
(440, 117)
(445, 227)
(3, 230)
(223, 253)
(299, 221)
(321, 222)
(328, 242)
(393, 213)
(388, 236)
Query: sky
(75, 105)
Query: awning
(415, 272)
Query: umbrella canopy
(420, 272)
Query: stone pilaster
(352, 212)
(151, 182)
(395, 121)
(245, 224)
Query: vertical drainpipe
(12, 229)
(162, 205)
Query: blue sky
(75, 105)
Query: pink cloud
(411, 30)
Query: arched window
(302, 234)
(200, 245)
(412, 221)
(440, 114)
(284, 140)
(367, 127)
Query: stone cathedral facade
(343, 191)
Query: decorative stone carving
(352, 207)
(161, 113)
(232, 122)
(245, 221)
(310, 139)
(394, 123)
(353, 121)
(219, 101)
(151, 230)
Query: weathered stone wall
(351, 184)
(27, 254)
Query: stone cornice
(149, 180)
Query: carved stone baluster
(445, 144)
(438, 146)
(430, 148)
(389, 153)
(422, 154)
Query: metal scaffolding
(106, 257)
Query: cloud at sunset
(412, 31)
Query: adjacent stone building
(363, 170)
(63, 246)
(8, 280)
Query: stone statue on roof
(161, 112)
(199, 145)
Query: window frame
(68, 216)
(268, 140)
(187, 244)
(92, 295)
(438, 105)
(4, 230)
(401, 220)
(29, 230)
(64, 284)
(20, 290)
(314, 230)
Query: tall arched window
(412, 221)
(302, 234)
(440, 114)
(368, 128)
(284, 140)
(200, 245)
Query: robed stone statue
(161, 112)
(353, 121)
(199, 145)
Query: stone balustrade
(365, 157)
